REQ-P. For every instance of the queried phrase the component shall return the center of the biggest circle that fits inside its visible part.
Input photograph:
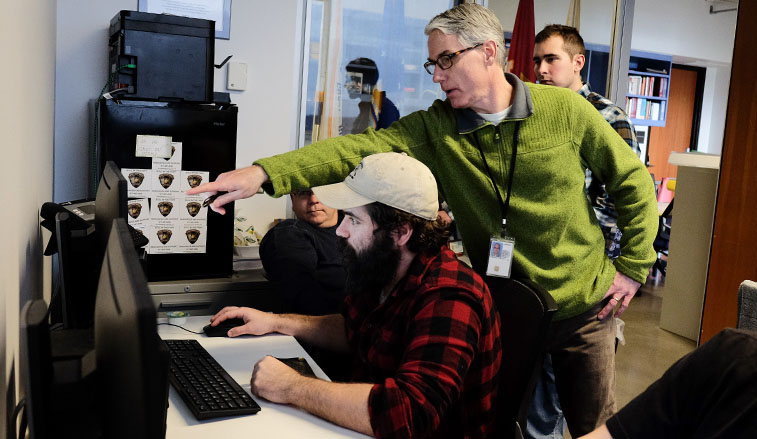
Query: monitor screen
(132, 361)
(110, 202)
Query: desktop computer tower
(161, 57)
(203, 139)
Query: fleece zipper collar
(521, 108)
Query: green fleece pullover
(558, 243)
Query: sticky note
(153, 146)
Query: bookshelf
(648, 87)
(648, 82)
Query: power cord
(22, 425)
(54, 300)
(180, 327)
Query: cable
(22, 426)
(180, 327)
(53, 300)
(109, 94)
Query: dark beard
(372, 270)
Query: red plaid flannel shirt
(433, 350)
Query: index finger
(228, 312)
(606, 310)
(623, 306)
(213, 186)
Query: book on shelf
(647, 85)
(645, 109)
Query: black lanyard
(506, 204)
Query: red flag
(520, 56)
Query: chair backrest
(525, 311)
(664, 194)
(747, 306)
(664, 225)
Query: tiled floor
(649, 351)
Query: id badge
(500, 256)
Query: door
(733, 258)
(676, 134)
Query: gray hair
(471, 24)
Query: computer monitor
(78, 268)
(36, 363)
(132, 360)
(121, 389)
(110, 202)
(80, 251)
(57, 378)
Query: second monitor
(121, 390)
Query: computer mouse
(222, 329)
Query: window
(388, 32)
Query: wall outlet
(236, 76)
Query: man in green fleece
(469, 142)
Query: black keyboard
(206, 388)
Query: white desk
(238, 356)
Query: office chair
(747, 306)
(525, 310)
(662, 240)
(665, 190)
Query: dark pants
(711, 393)
(582, 351)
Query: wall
(596, 16)
(672, 27)
(26, 128)
(265, 35)
(677, 27)
(714, 104)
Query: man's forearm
(600, 432)
(344, 404)
(324, 331)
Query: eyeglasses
(445, 61)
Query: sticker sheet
(172, 221)
(138, 182)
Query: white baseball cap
(390, 178)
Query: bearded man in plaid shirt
(419, 324)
